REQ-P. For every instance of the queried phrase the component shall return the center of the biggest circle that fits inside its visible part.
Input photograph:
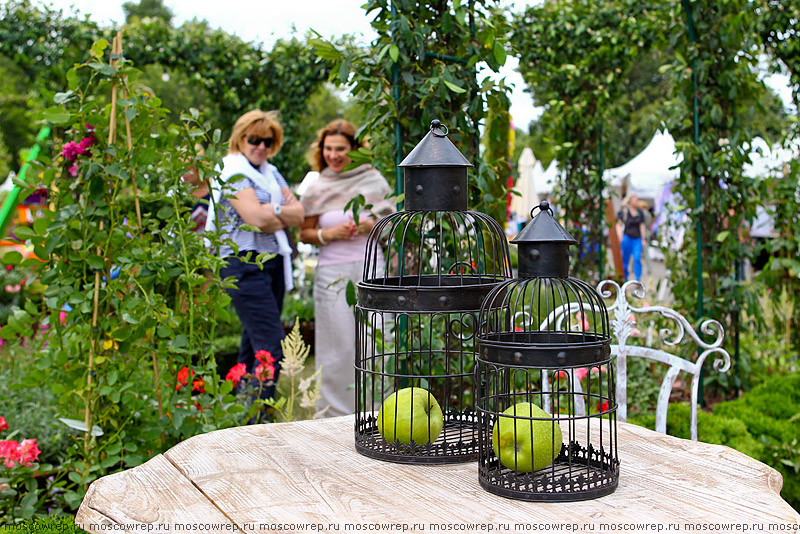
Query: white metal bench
(624, 318)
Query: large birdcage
(427, 270)
(546, 393)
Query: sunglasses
(255, 141)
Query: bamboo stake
(112, 135)
(130, 141)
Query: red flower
(265, 371)
(602, 406)
(236, 373)
(265, 357)
(9, 452)
(28, 451)
(183, 378)
(559, 375)
(3, 424)
(199, 385)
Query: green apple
(410, 413)
(526, 443)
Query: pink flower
(581, 372)
(71, 151)
(265, 372)
(601, 369)
(9, 452)
(62, 316)
(236, 373)
(73, 170)
(3, 424)
(29, 451)
(265, 357)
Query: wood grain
(155, 493)
(284, 475)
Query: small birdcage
(427, 270)
(546, 394)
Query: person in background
(253, 193)
(342, 245)
(649, 215)
(631, 226)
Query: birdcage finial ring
(437, 125)
(543, 206)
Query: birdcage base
(577, 474)
(457, 443)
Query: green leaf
(394, 53)
(24, 232)
(499, 52)
(350, 293)
(98, 48)
(453, 87)
(722, 236)
(12, 258)
(56, 115)
(95, 262)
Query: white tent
(648, 172)
(528, 196)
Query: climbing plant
(576, 58)
(431, 60)
(122, 274)
(716, 50)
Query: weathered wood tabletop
(307, 477)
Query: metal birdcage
(427, 270)
(546, 393)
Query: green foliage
(765, 341)
(142, 306)
(710, 429)
(146, 8)
(577, 57)
(44, 44)
(722, 64)
(777, 23)
(424, 65)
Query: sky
(265, 21)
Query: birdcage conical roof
(544, 228)
(435, 150)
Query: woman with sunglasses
(253, 193)
(342, 245)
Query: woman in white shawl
(342, 246)
(252, 192)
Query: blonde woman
(342, 245)
(631, 225)
(252, 192)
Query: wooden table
(307, 477)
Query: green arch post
(12, 199)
